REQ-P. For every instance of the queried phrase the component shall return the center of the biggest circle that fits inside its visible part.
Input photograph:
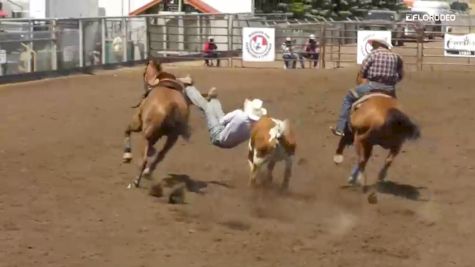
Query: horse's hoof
(156, 190)
(134, 184)
(352, 181)
(338, 159)
(372, 198)
(127, 158)
(146, 171)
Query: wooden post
(339, 50)
(147, 38)
(230, 37)
(125, 39)
(81, 43)
(54, 46)
(322, 46)
(103, 41)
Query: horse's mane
(166, 75)
(155, 62)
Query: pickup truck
(384, 20)
(415, 28)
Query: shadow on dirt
(392, 188)
(192, 185)
(401, 190)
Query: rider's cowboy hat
(311, 36)
(253, 108)
(380, 41)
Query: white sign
(363, 47)
(459, 45)
(3, 56)
(37, 9)
(258, 44)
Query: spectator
(288, 54)
(312, 51)
(210, 51)
(95, 56)
(3, 14)
(117, 47)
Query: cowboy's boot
(211, 94)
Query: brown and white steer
(271, 141)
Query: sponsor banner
(459, 45)
(363, 47)
(258, 44)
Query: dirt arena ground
(64, 202)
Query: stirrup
(336, 133)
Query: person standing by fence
(312, 51)
(288, 54)
(210, 51)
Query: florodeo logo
(258, 44)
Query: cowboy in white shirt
(288, 54)
(117, 47)
(226, 130)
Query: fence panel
(56, 45)
(67, 39)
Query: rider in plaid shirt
(382, 68)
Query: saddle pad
(365, 98)
(172, 84)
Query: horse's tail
(401, 124)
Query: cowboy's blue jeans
(288, 58)
(212, 109)
(351, 98)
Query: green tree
(300, 8)
(334, 9)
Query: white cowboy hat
(288, 39)
(381, 41)
(311, 36)
(254, 109)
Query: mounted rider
(382, 68)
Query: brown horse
(154, 73)
(376, 119)
(164, 112)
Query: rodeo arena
(211, 133)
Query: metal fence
(176, 38)
(182, 37)
(423, 49)
(62, 45)
(36, 46)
